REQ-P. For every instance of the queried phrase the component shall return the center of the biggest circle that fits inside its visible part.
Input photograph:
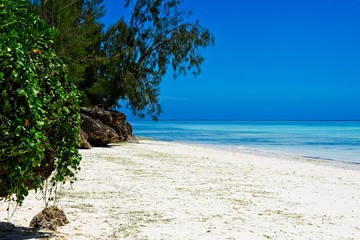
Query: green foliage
(141, 51)
(80, 32)
(39, 115)
(128, 60)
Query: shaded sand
(162, 190)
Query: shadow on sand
(10, 231)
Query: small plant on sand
(39, 106)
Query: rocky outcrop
(50, 218)
(118, 118)
(98, 114)
(100, 127)
(84, 140)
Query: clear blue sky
(273, 60)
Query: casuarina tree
(128, 60)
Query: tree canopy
(78, 22)
(128, 60)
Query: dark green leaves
(39, 116)
(140, 51)
(128, 60)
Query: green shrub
(39, 106)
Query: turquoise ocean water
(329, 140)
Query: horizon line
(248, 120)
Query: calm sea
(331, 140)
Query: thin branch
(155, 46)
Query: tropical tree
(141, 50)
(128, 60)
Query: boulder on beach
(99, 127)
(50, 218)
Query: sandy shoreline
(165, 190)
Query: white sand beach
(165, 190)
